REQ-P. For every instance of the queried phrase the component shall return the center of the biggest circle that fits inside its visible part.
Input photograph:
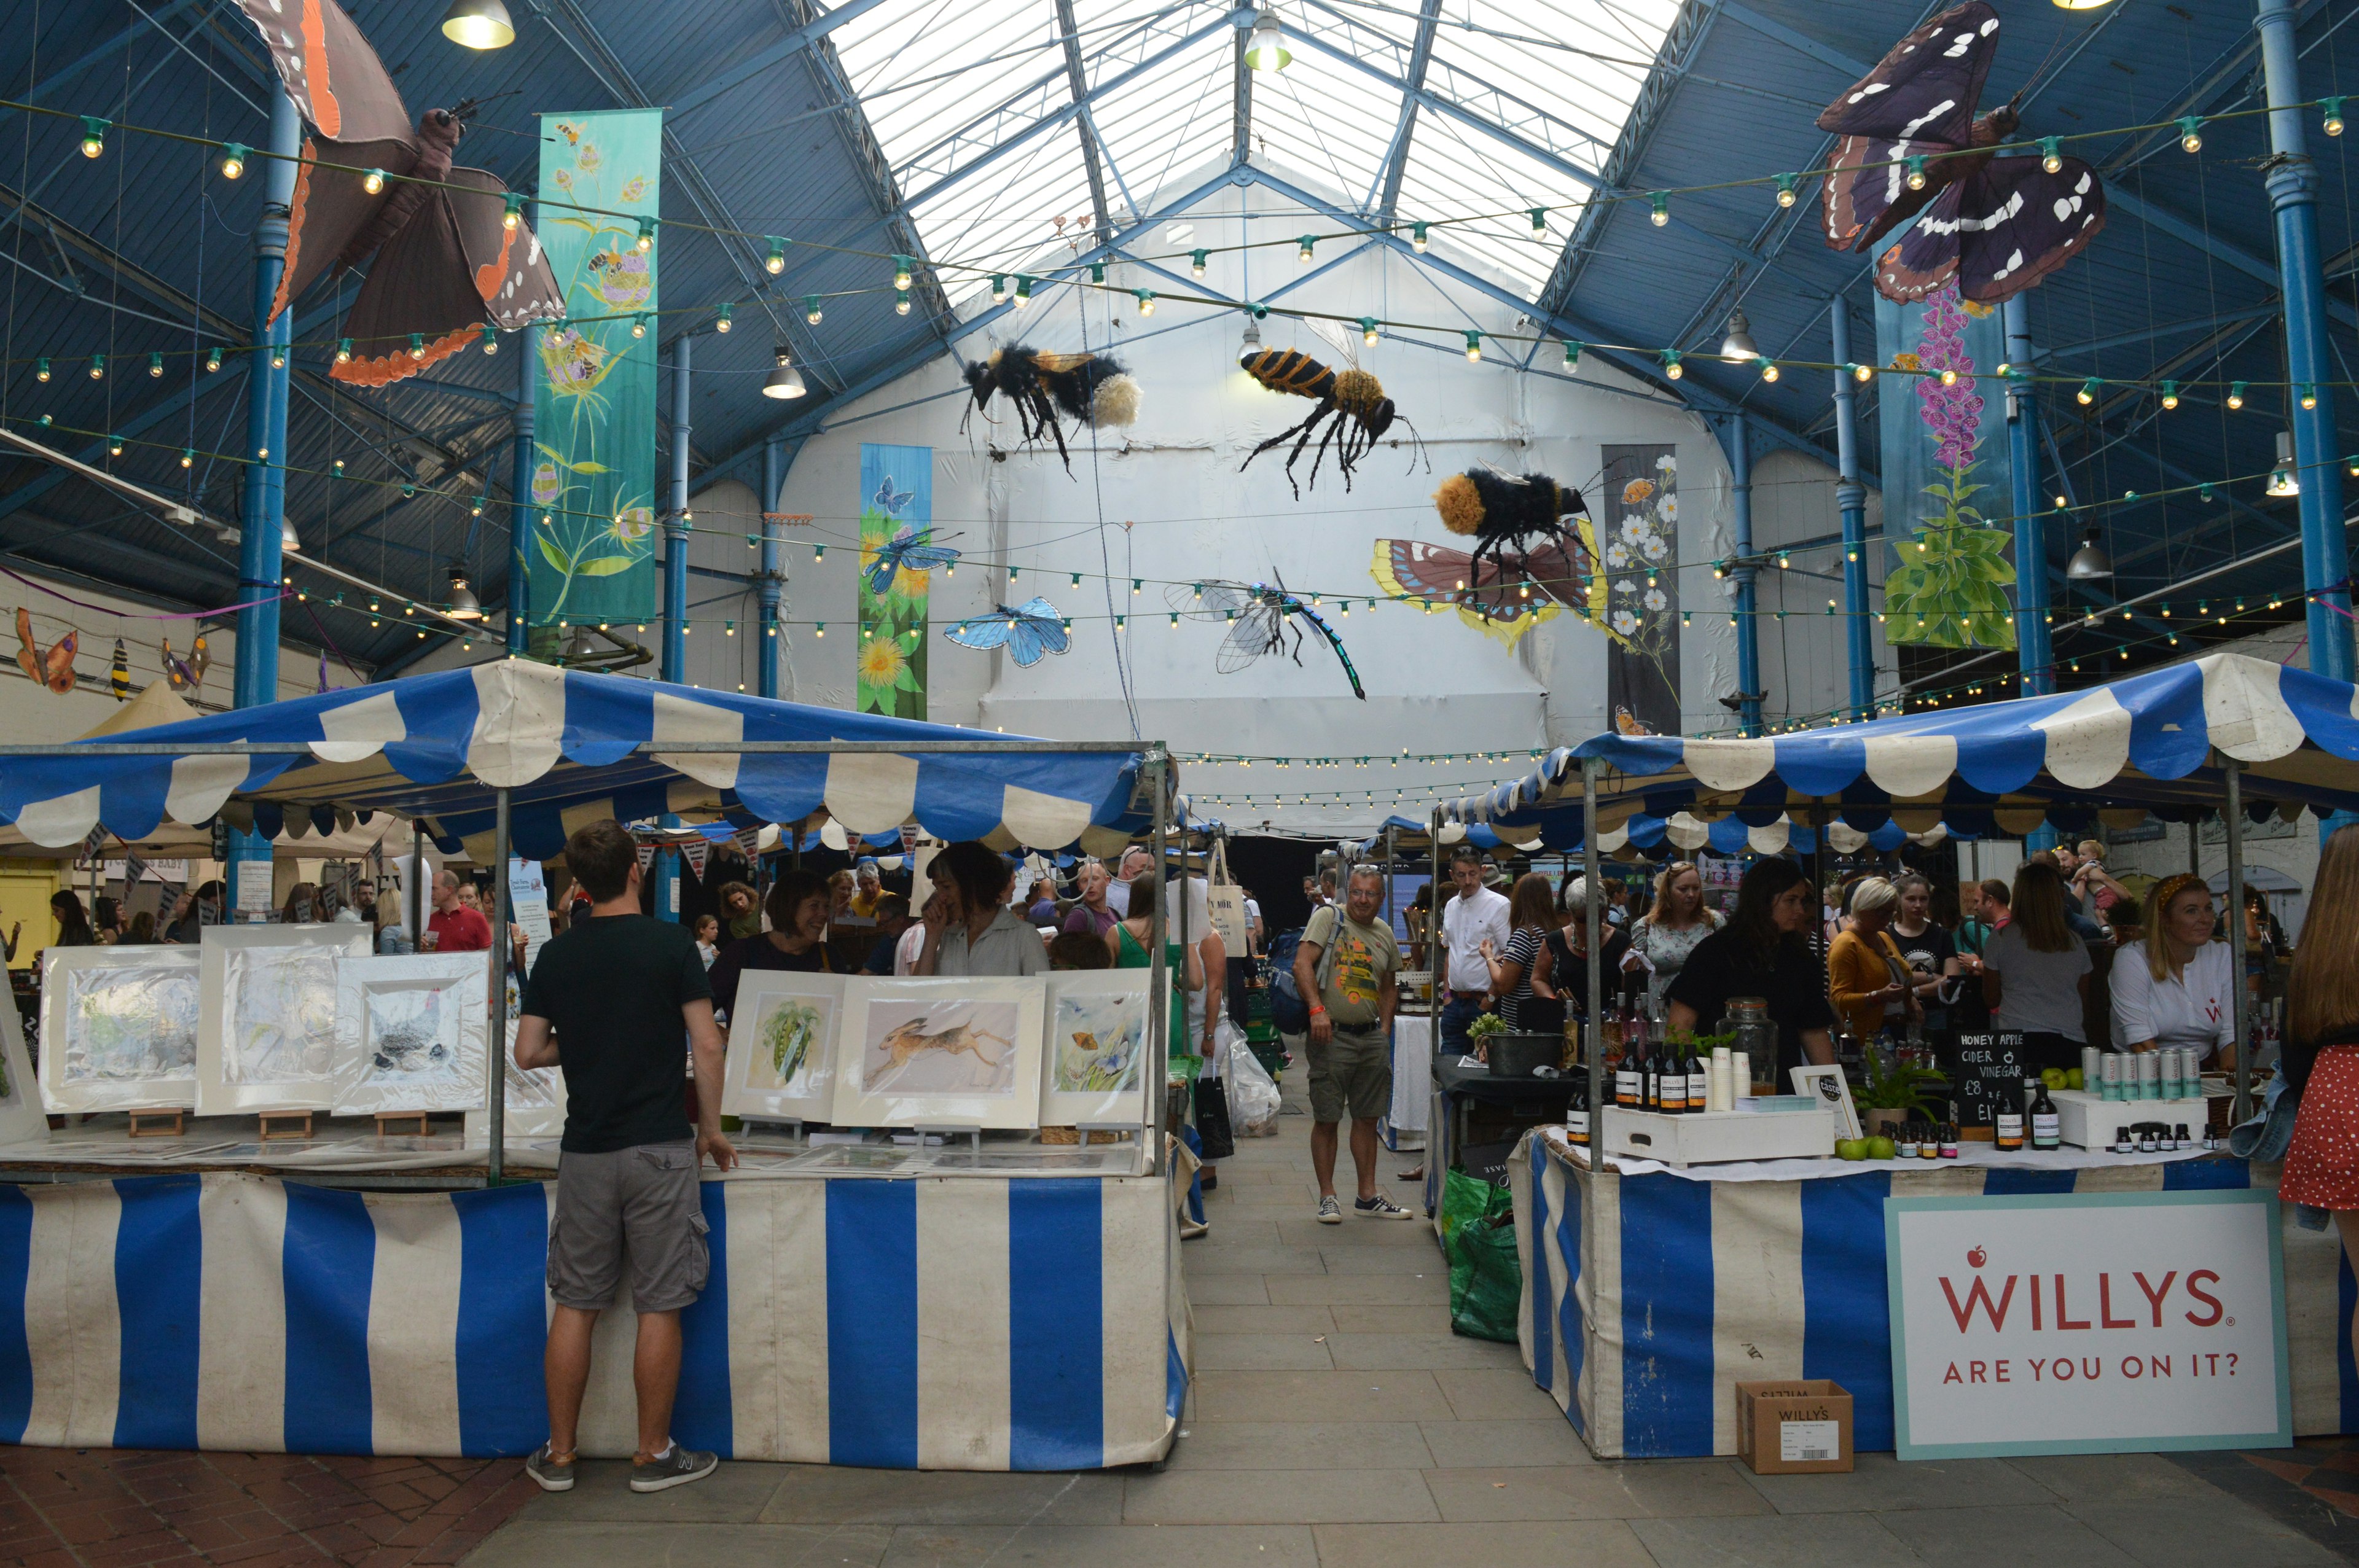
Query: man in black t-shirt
(607, 1003)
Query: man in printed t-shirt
(1352, 993)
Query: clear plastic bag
(1253, 1097)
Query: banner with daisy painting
(897, 556)
(593, 477)
(1641, 492)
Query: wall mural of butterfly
(54, 669)
(1028, 632)
(910, 549)
(1995, 225)
(889, 498)
(448, 260)
(1262, 620)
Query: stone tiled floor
(1335, 1423)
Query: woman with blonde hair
(2319, 1069)
(1669, 930)
(2175, 986)
(1867, 979)
(2036, 970)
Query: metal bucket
(1518, 1056)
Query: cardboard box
(1802, 1427)
(1702, 1137)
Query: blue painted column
(2031, 642)
(774, 476)
(675, 600)
(1748, 635)
(523, 515)
(1850, 500)
(263, 505)
(2293, 193)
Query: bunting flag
(698, 851)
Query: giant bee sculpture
(1047, 389)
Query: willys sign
(2099, 1322)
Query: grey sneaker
(1380, 1207)
(677, 1468)
(554, 1475)
(1330, 1211)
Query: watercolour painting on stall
(2087, 1323)
(782, 1045)
(119, 1028)
(266, 1016)
(1097, 1049)
(409, 1033)
(962, 1052)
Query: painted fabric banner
(1640, 501)
(897, 511)
(594, 400)
(1946, 471)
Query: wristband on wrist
(1318, 1012)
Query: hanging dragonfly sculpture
(1260, 618)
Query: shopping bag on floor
(1253, 1097)
(1213, 1119)
(1478, 1238)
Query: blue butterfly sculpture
(911, 547)
(1028, 632)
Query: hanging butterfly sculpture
(54, 669)
(187, 674)
(911, 549)
(1996, 225)
(1535, 554)
(118, 674)
(1028, 632)
(449, 254)
(1352, 403)
(1047, 389)
(1259, 614)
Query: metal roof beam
(1241, 108)
(796, 40)
(1079, 80)
(1691, 390)
(1386, 201)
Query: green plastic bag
(1478, 1237)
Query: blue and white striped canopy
(564, 744)
(2149, 742)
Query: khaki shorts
(641, 1202)
(1353, 1072)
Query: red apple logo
(1977, 1258)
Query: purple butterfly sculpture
(1996, 225)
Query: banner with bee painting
(1640, 539)
(593, 479)
(896, 560)
(1948, 476)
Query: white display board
(2086, 1322)
(410, 1032)
(266, 1016)
(960, 1051)
(22, 1121)
(783, 1040)
(1093, 1067)
(119, 1028)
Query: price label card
(1985, 1072)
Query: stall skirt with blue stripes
(968, 1324)
(1689, 1287)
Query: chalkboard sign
(1985, 1072)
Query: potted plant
(1891, 1094)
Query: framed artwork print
(119, 1028)
(266, 1015)
(961, 1051)
(1094, 1065)
(782, 1045)
(410, 1032)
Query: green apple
(1881, 1148)
(1851, 1148)
(2074, 1079)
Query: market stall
(876, 1303)
(2223, 732)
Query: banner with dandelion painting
(594, 478)
(896, 508)
(1946, 471)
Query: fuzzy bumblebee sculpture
(1500, 513)
(1094, 391)
(1352, 405)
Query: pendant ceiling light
(2089, 562)
(785, 381)
(1738, 347)
(289, 543)
(1267, 50)
(464, 605)
(478, 25)
(2282, 479)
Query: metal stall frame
(1155, 772)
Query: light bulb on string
(233, 156)
(811, 311)
(1915, 166)
(1786, 192)
(93, 135)
(775, 262)
(373, 181)
(2190, 132)
(2334, 122)
(1146, 301)
(2236, 394)
(1196, 263)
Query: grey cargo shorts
(641, 1202)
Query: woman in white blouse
(2178, 986)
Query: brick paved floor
(63, 1508)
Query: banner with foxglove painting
(593, 477)
(1947, 473)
